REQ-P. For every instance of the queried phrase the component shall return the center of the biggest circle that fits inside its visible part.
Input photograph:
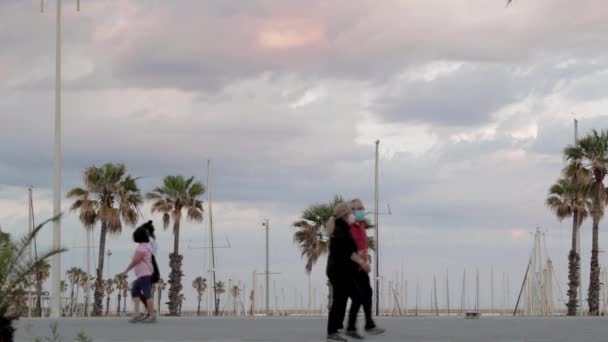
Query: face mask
(350, 219)
(360, 215)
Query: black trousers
(343, 287)
(364, 298)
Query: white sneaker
(336, 337)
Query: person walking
(142, 264)
(149, 227)
(342, 263)
(362, 281)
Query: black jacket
(341, 247)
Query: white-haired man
(362, 280)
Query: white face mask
(350, 219)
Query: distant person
(363, 283)
(341, 268)
(149, 227)
(142, 264)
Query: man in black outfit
(342, 264)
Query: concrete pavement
(430, 329)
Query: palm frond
(16, 269)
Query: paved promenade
(312, 329)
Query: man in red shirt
(358, 233)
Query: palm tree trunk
(86, 303)
(176, 237)
(198, 310)
(71, 300)
(38, 300)
(76, 297)
(98, 296)
(574, 267)
(175, 277)
(124, 303)
(118, 305)
(594, 277)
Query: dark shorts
(142, 286)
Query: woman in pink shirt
(142, 264)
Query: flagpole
(56, 274)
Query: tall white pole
(30, 228)
(377, 266)
(492, 287)
(580, 286)
(436, 307)
(88, 288)
(447, 290)
(210, 294)
(216, 307)
(56, 274)
(267, 225)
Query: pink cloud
(290, 38)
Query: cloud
(472, 104)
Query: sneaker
(354, 335)
(335, 337)
(138, 318)
(375, 331)
(149, 320)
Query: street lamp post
(267, 225)
(377, 259)
(56, 262)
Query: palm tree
(84, 284)
(182, 298)
(569, 197)
(63, 287)
(200, 285)
(161, 285)
(220, 289)
(176, 194)
(235, 291)
(42, 271)
(16, 270)
(121, 286)
(108, 287)
(92, 283)
(311, 235)
(592, 152)
(73, 275)
(111, 197)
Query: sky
(472, 103)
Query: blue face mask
(360, 215)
